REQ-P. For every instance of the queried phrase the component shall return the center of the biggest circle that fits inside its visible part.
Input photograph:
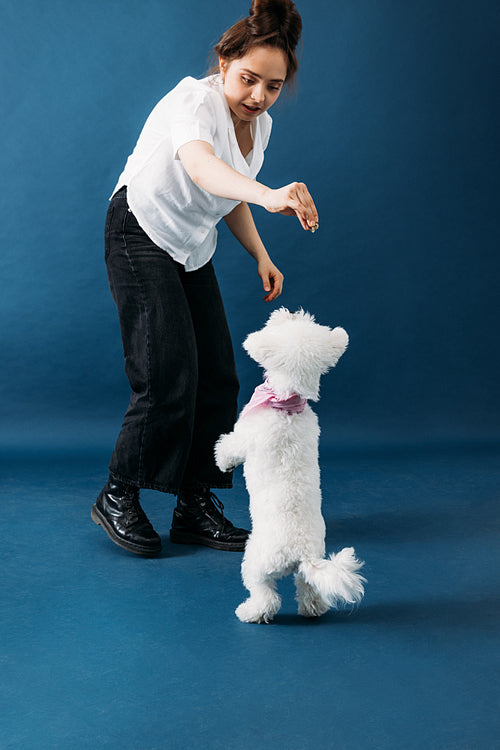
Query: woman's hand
(272, 279)
(293, 199)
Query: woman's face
(253, 83)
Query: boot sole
(181, 537)
(138, 549)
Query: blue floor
(103, 649)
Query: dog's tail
(336, 579)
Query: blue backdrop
(394, 128)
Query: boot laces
(130, 510)
(211, 499)
(133, 510)
(215, 501)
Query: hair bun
(275, 18)
(273, 23)
(277, 6)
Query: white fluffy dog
(276, 437)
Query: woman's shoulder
(189, 97)
(201, 88)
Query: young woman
(196, 161)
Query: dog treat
(314, 228)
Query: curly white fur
(280, 456)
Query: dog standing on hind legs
(276, 438)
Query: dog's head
(295, 351)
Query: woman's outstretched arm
(216, 177)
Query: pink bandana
(264, 395)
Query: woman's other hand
(272, 279)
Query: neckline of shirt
(232, 133)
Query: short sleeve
(193, 118)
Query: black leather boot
(118, 511)
(199, 519)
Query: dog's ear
(339, 341)
(261, 344)
(258, 346)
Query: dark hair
(271, 23)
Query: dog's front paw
(225, 464)
(224, 457)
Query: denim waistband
(122, 192)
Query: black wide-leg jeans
(178, 359)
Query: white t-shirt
(175, 213)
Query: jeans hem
(164, 488)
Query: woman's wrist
(262, 196)
(261, 255)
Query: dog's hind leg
(263, 602)
(310, 602)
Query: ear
(257, 346)
(339, 337)
(222, 67)
(339, 341)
